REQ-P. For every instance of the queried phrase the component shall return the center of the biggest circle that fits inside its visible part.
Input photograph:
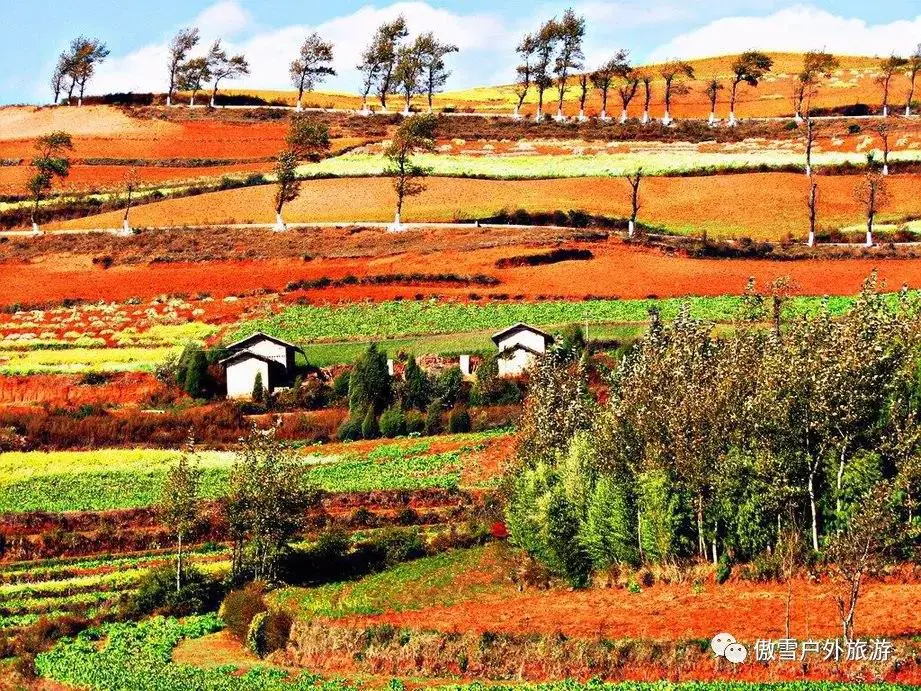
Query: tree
(645, 76)
(311, 66)
(547, 38)
(178, 51)
(912, 68)
(407, 75)
(883, 130)
(180, 501)
(192, 76)
(888, 68)
(51, 163)
(369, 383)
(812, 204)
(379, 60)
(268, 495)
(131, 184)
(859, 550)
(817, 65)
(434, 71)
(416, 134)
(672, 73)
(288, 186)
(714, 86)
(61, 69)
(223, 67)
(634, 179)
(308, 139)
(85, 55)
(750, 67)
(526, 50)
(810, 137)
(871, 192)
(258, 394)
(583, 94)
(416, 388)
(603, 78)
(570, 34)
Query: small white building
(518, 346)
(259, 354)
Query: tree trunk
(840, 480)
(179, 565)
(701, 547)
(812, 507)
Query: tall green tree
(370, 382)
(51, 163)
(180, 502)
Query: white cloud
(797, 28)
(270, 50)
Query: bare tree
(912, 68)
(584, 80)
(860, 550)
(645, 76)
(790, 551)
(810, 137)
(179, 48)
(883, 130)
(416, 134)
(888, 68)
(871, 193)
(750, 67)
(131, 184)
(603, 78)
(311, 66)
(526, 50)
(634, 179)
(672, 73)
(812, 201)
(61, 70)
(571, 33)
(816, 66)
(223, 66)
(714, 86)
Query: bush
(394, 546)
(341, 385)
(268, 632)
(258, 389)
(369, 426)
(459, 421)
(723, 570)
(433, 419)
(240, 608)
(393, 423)
(415, 422)
(349, 430)
(157, 594)
(369, 383)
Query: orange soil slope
(616, 269)
(760, 205)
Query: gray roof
(520, 326)
(261, 336)
(245, 355)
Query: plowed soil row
(615, 270)
(759, 205)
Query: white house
(518, 346)
(259, 354)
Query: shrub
(341, 385)
(433, 423)
(723, 570)
(415, 422)
(369, 426)
(459, 421)
(416, 387)
(268, 632)
(258, 389)
(450, 387)
(369, 383)
(240, 608)
(393, 422)
(349, 430)
(157, 594)
(393, 546)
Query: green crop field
(130, 478)
(358, 164)
(395, 319)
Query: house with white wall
(259, 354)
(519, 346)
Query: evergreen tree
(370, 382)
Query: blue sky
(33, 32)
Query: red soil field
(671, 612)
(84, 178)
(759, 205)
(69, 391)
(615, 270)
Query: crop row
(568, 166)
(314, 323)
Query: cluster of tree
(392, 66)
(893, 66)
(719, 447)
(383, 405)
(193, 73)
(76, 66)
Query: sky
(268, 32)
